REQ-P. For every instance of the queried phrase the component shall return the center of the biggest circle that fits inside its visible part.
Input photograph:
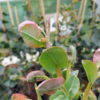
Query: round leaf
(50, 86)
(72, 85)
(35, 76)
(31, 34)
(53, 58)
(91, 70)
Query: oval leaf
(35, 76)
(59, 95)
(50, 86)
(53, 58)
(96, 57)
(72, 85)
(18, 96)
(91, 70)
(31, 34)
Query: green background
(50, 7)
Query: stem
(48, 45)
(85, 2)
(68, 71)
(75, 14)
(29, 4)
(87, 91)
(92, 23)
(64, 90)
(57, 19)
(80, 10)
(83, 12)
(76, 18)
(59, 72)
(43, 13)
(39, 97)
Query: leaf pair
(49, 86)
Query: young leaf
(72, 85)
(50, 86)
(96, 57)
(91, 70)
(35, 76)
(54, 58)
(18, 96)
(31, 34)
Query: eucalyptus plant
(55, 60)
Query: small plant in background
(69, 28)
(55, 60)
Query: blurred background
(72, 22)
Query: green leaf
(36, 76)
(31, 34)
(54, 58)
(72, 85)
(61, 97)
(50, 86)
(58, 93)
(91, 70)
(92, 96)
(75, 72)
(31, 41)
